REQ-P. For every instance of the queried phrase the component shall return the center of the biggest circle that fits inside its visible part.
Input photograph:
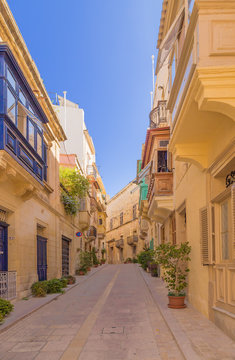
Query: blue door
(3, 248)
(42, 258)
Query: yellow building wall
(123, 202)
(191, 189)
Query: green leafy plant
(64, 281)
(5, 307)
(94, 257)
(144, 257)
(74, 186)
(85, 260)
(70, 279)
(39, 288)
(54, 286)
(135, 260)
(174, 260)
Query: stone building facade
(195, 76)
(122, 227)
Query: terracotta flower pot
(96, 265)
(176, 302)
(81, 272)
(88, 269)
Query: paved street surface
(110, 316)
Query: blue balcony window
(21, 118)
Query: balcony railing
(91, 171)
(119, 243)
(158, 116)
(8, 285)
(132, 240)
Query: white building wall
(74, 128)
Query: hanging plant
(74, 186)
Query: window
(11, 79)
(121, 218)
(39, 144)
(162, 161)
(213, 232)
(111, 224)
(134, 212)
(11, 106)
(22, 98)
(225, 229)
(22, 119)
(30, 136)
(100, 221)
(173, 70)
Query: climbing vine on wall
(74, 186)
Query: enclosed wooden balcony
(160, 196)
(84, 213)
(132, 240)
(201, 101)
(143, 228)
(91, 233)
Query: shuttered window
(173, 228)
(224, 232)
(213, 233)
(204, 236)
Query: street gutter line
(77, 344)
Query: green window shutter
(151, 245)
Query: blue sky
(99, 51)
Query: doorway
(41, 258)
(65, 256)
(3, 248)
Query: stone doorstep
(174, 326)
(15, 317)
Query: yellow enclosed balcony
(160, 196)
(84, 214)
(143, 228)
(202, 101)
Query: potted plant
(70, 279)
(103, 251)
(144, 257)
(174, 260)
(153, 268)
(94, 257)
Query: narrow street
(110, 316)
